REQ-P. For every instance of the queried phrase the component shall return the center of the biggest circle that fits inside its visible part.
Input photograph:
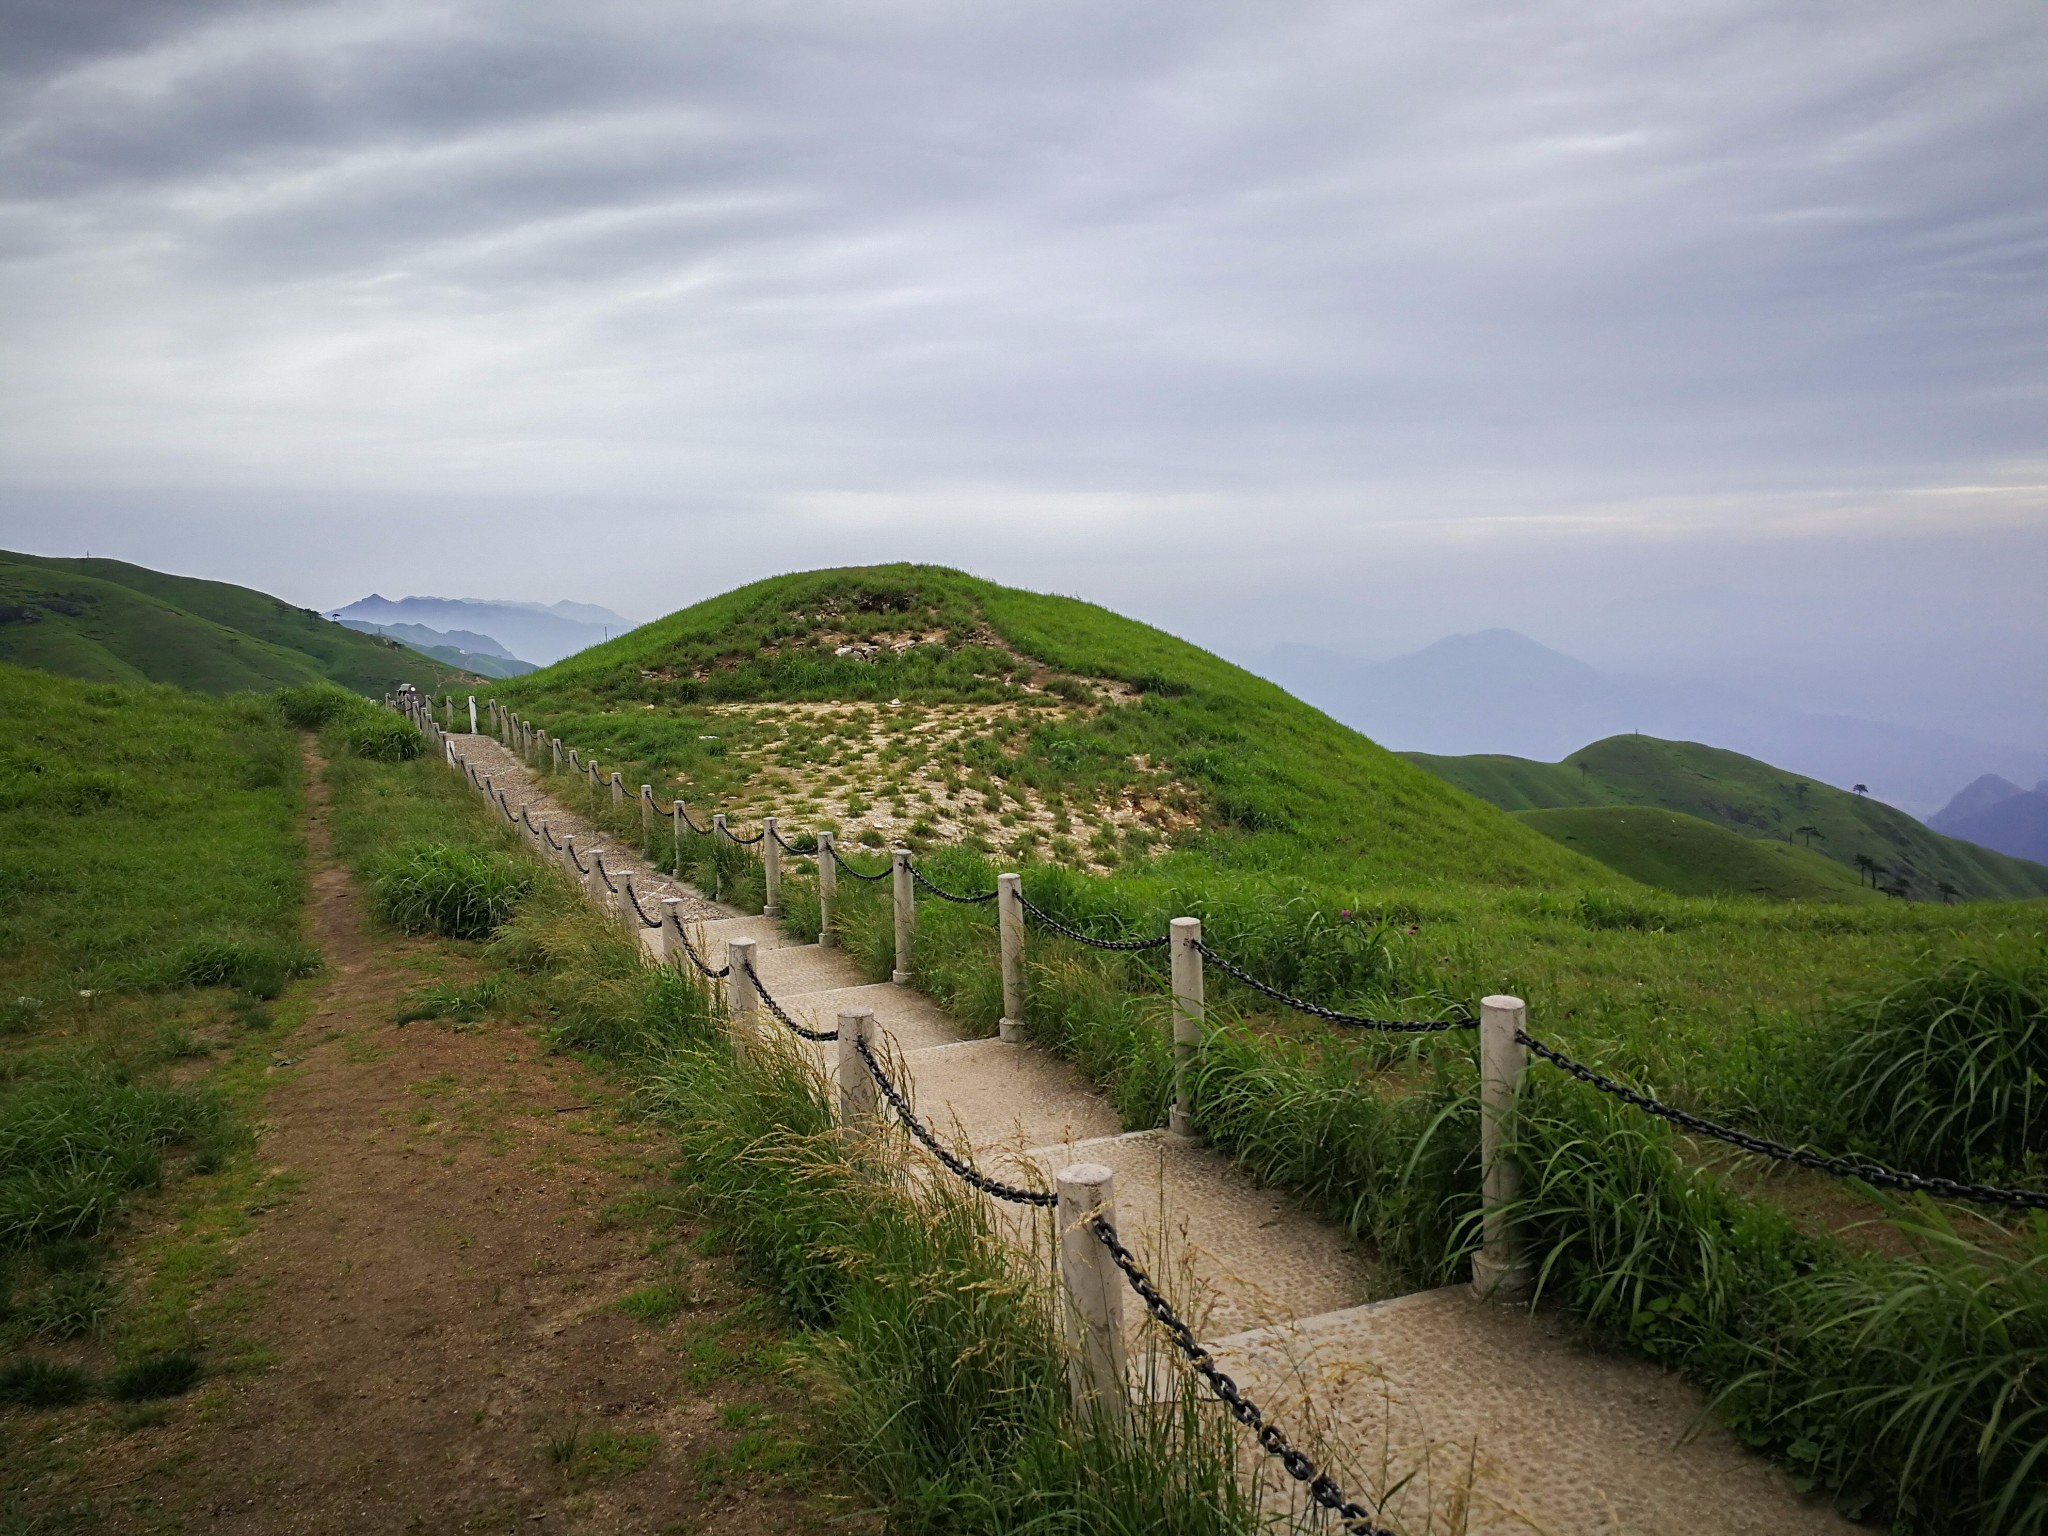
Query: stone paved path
(1483, 1420)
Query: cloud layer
(1199, 308)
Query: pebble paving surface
(1467, 1418)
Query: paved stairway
(1484, 1419)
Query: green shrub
(385, 737)
(36, 1383)
(78, 1137)
(1946, 1069)
(318, 704)
(158, 1375)
(259, 969)
(464, 893)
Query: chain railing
(945, 895)
(1332, 1015)
(954, 1163)
(689, 949)
(1127, 946)
(845, 868)
(597, 861)
(639, 911)
(1874, 1174)
(768, 1001)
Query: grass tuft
(159, 1375)
(464, 893)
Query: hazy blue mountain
(1996, 813)
(1499, 691)
(417, 635)
(529, 631)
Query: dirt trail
(440, 1293)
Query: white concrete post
(742, 997)
(859, 1103)
(906, 912)
(828, 890)
(646, 811)
(718, 837)
(1092, 1286)
(676, 824)
(1010, 933)
(448, 711)
(618, 788)
(593, 887)
(672, 925)
(660, 941)
(771, 869)
(1186, 933)
(472, 714)
(555, 742)
(1500, 1269)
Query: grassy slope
(1681, 853)
(151, 886)
(1282, 785)
(1745, 796)
(132, 624)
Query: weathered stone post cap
(1086, 1175)
(1501, 1000)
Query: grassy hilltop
(109, 621)
(1136, 736)
(1744, 796)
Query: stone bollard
(1500, 1269)
(647, 812)
(742, 997)
(859, 1100)
(719, 835)
(663, 941)
(1186, 933)
(828, 889)
(1092, 1287)
(771, 869)
(906, 912)
(593, 883)
(569, 856)
(472, 714)
(618, 788)
(676, 825)
(1010, 932)
(555, 743)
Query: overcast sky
(1699, 338)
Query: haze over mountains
(1996, 813)
(531, 632)
(1499, 691)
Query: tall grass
(463, 893)
(1946, 1068)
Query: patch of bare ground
(480, 1310)
(875, 774)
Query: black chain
(957, 1165)
(696, 959)
(1356, 1517)
(744, 842)
(849, 869)
(548, 836)
(1331, 1015)
(603, 873)
(700, 831)
(944, 895)
(785, 847)
(821, 1035)
(1840, 1167)
(639, 911)
(581, 867)
(527, 816)
(506, 808)
(1129, 946)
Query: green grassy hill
(1058, 702)
(1691, 857)
(1750, 798)
(108, 621)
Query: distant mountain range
(1996, 813)
(1664, 812)
(111, 621)
(1500, 692)
(533, 632)
(457, 647)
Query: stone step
(1230, 1255)
(710, 937)
(1495, 1422)
(1005, 1099)
(793, 970)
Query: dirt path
(441, 1296)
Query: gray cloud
(1412, 287)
